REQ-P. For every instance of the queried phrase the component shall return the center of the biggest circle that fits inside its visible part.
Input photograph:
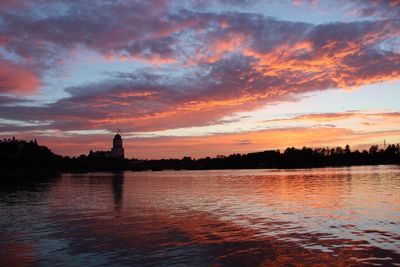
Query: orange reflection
(239, 219)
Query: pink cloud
(223, 63)
(17, 79)
(217, 144)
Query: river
(328, 216)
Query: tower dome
(117, 150)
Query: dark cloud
(379, 8)
(229, 61)
(6, 100)
(243, 142)
(104, 26)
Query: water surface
(331, 216)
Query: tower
(117, 150)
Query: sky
(199, 77)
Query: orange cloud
(328, 117)
(327, 63)
(220, 46)
(223, 144)
(321, 117)
(217, 144)
(240, 61)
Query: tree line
(20, 155)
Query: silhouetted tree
(19, 155)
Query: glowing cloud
(191, 65)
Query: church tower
(117, 150)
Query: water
(330, 216)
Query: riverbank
(21, 156)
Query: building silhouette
(117, 151)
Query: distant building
(117, 150)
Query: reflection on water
(330, 216)
(117, 186)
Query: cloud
(123, 29)
(7, 100)
(219, 144)
(207, 65)
(367, 117)
(379, 8)
(17, 78)
(235, 81)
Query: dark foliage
(291, 158)
(21, 156)
(18, 155)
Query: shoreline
(40, 174)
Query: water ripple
(329, 216)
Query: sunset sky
(199, 77)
